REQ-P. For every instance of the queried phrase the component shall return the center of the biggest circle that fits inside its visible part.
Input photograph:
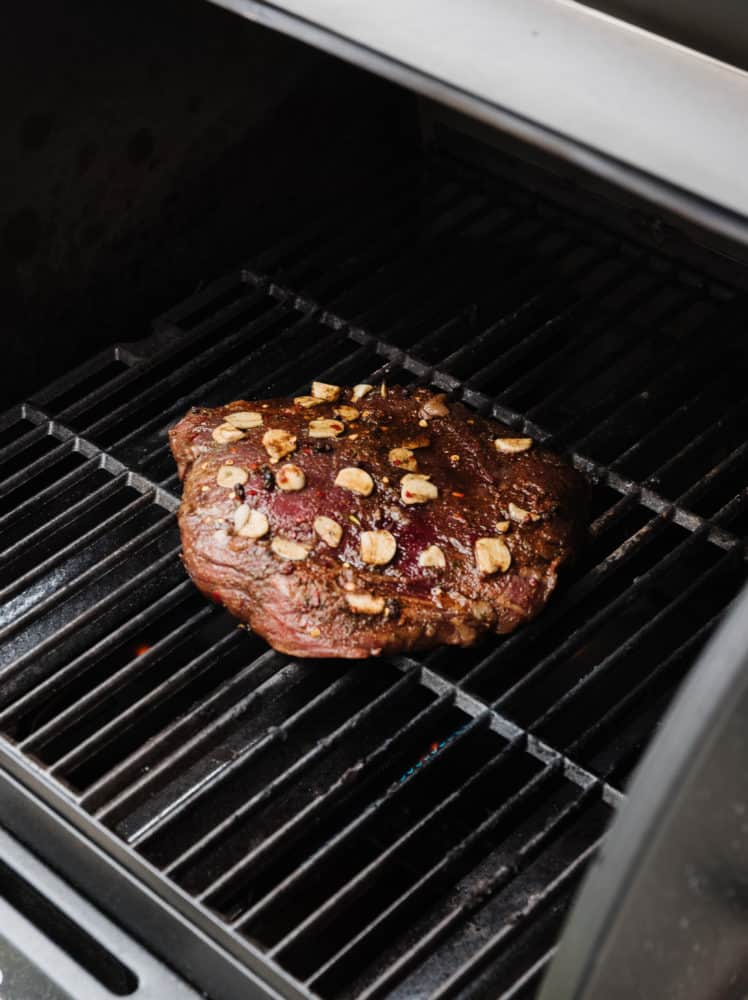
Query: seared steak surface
(363, 520)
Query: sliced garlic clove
(492, 556)
(377, 547)
(356, 480)
(231, 476)
(227, 434)
(290, 478)
(244, 419)
(288, 549)
(323, 390)
(512, 446)
(328, 530)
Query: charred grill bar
(406, 827)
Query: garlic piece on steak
(290, 478)
(432, 558)
(434, 407)
(324, 428)
(359, 391)
(231, 476)
(244, 419)
(256, 524)
(417, 489)
(328, 530)
(278, 443)
(417, 441)
(323, 390)
(512, 446)
(377, 547)
(521, 516)
(503, 526)
(307, 401)
(365, 604)
(355, 480)
(347, 413)
(492, 556)
(403, 458)
(241, 516)
(287, 549)
(226, 433)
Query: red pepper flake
(408, 495)
(252, 493)
(455, 494)
(142, 648)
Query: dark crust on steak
(300, 607)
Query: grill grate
(416, 827)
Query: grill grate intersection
(221, 764)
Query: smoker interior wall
(145, 147)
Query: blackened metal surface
(416, 826)
(146, 146)
(664, 910)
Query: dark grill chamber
(413, 827)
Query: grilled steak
(361, 521)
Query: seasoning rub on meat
(357, 521)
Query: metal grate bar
(517, 281)
(498, 880)
(683, 652)
(23, 443)
(276, 787)
(46, 688)
(468, 970)
(225, 770)
(530, 977)
(592, 579)
(609, 662)
(697, 491)
(346, 896)
(511, 731)
(255, 292)
(100, 692)
(525, 289)
(262, 671)
(600, 473)
(64, 447)
(307, 816)
(162, 361)
(617, 418)
(516, 351)
(543, 373)
(609, 611)
(159, 391)
(117, 777)
(705, 437)
(96, 609)
(119, 518)
(40, 498)
(292, 881)
(289, 334)
(78, 581)
(733, 508)
(69, 514)
(447, 867)
(628, 385)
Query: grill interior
(417, 826)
